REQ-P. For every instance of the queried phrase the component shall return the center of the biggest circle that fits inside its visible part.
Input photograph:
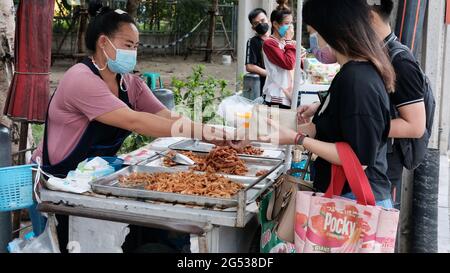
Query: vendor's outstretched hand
(239, 145)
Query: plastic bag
(44, 243)
(236, 111)
(259, 100)
(77, 181)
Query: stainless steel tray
(109, 185)
(193, 145)
(253, 164)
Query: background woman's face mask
(324, 55)
(125, 60)
(283, 29)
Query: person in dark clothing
(254, 62)
(408, 99)
(356, 111)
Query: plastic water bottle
(299, 162)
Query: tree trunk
(132, 7)
(212, 28)
(81, 33)
(7, 29)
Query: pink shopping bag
(329, 223)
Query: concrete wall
(437, 66)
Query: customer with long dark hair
(356, 110)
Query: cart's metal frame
(208, 225)
(96, 220)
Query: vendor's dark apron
(100, 139)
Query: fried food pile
(250, 150)
(222, 160)
(219, 160)
(208, 184)
(170, 163)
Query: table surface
(175, 214)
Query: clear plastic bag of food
(236, 111)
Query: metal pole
(298, 67)
(298, 74)
(5, 160)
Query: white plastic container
(226, 59)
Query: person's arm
(166, 113)
(325, 150)
(252, 68)
(308, 129)
(251, 60)
(282, 58)
(141, 122)
(306, 112)
(285, 136)
(411, 122)
(161, 126)
(322, 149)
(408, 99)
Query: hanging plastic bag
(44, 243)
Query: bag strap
(352, 171)
(337, 181)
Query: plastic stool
(151, 78)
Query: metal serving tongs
(178, 158)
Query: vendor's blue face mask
(125, 60)
(283, 29)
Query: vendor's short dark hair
(384, 9)
(103, 20)
(254, 13)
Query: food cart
(98, 220)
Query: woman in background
(279, 58)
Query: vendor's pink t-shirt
(81, 97)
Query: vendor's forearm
(149, 124)
(155, 126)
(161, 125)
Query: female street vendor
(97, 104)
(357, 109)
